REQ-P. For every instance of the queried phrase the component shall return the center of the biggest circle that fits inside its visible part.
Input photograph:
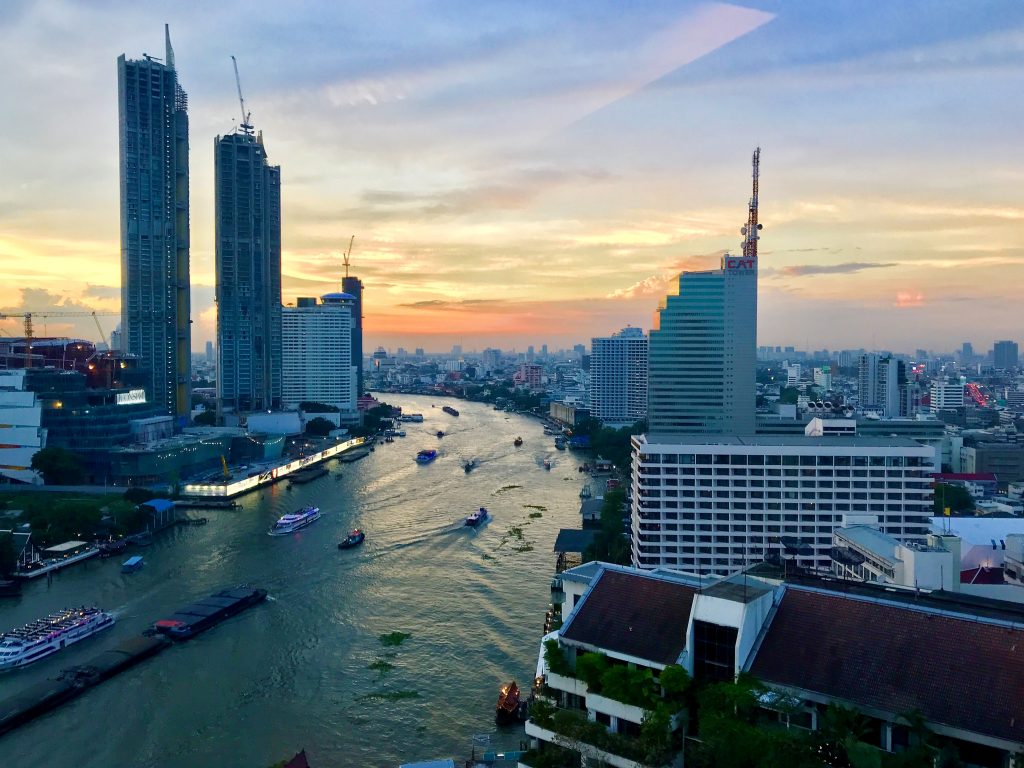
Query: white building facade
(946, 396)
(21, 433)
(618, 377)
(317, 354)
(716, 504)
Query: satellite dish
(743, 230)
(760, 226)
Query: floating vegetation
(381, 666)
(538, 507)
(515, 531)
(394, 638)
(507, 488)
(485, 556)
(535, 515)
(524, 547)
(390, 696)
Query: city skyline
(512, 178)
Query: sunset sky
(537, 172)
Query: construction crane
(246, 126)
(99, 328)
(349, 253)
(750, 230)
(29, 331)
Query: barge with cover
(209, 612)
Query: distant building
(155, 317)
(618, 377)
(882, 385)
(248, 265)
(209, 352)
(702, 354)
(823, 377)
(946, 396)
(529, 375)
(1004, 355)
(354, 287)
(317, 354)
(21, 431)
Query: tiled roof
(634, 614)
(960, 672)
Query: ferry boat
(48, 635)
(132, 564)
(517, 442)
(450, 411)
(295, 521)
(354, 539)
(426, 456)
(209, 612)
(477, 517)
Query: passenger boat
(510, 708)
(295, 521)
(209, 612)
(132, 564)
(49, 635)
(517, 442)
(355, 538)
(585, 492)
(426, 456)
(113, 547)
(450, 411)
(477, 517)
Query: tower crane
(349, 253)
(752, 227)
(29, 331)
(246, 126)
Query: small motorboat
(510, 708)
(132, 564)
(440, 434)
(426, 456)
(477, 517)
(469, 466)
(517, 442)
(354, 539)
(547, 464)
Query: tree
(8, 557)
(319, 427)
(956, 497)
(789, 395)
(675, 682)
(314, 407)
(609, 543)
(207, 418)
(591, 668)
(59, 466)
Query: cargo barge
(41, 697)
(450, 411)
(209, 612)
(308, 474)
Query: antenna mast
(349, 253)
(246, 126)
(750, 230)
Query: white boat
(295, 521)
(49, 635)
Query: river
(295, 672)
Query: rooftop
(573, 540)
(674, 441)
(737, 591)
(633, 614)
(869, 539)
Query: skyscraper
(1005, 355)
(883, 385)
(153, 126)
(353, 286)
(317, 353)
(248, 264)
(618, 377)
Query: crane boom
(29, 331)
(246, 126)
(349, 253)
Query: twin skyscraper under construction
(155, 282)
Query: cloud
(909, 300)
(658, 285)
(802, 270)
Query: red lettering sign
(740, 263)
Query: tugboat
(426, 456)
(510, 708)
(517, 442)
(477, 518)
(295, 521)
(354, 539)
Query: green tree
(591, 668)
(675, 683)
(955, 497)
(59, 466)
(610, 545)
(8, 557)
(207, 418)
(319, 427)
(789, 395)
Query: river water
(295, 671)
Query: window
(714, 652)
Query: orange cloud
(909, 299)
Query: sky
(521, 173)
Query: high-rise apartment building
(702, 353)
(1005, 355)
(153, 126)
(317, 353)
(618, 377)
(248, 265)
(883, 385)
(717, 504)
(354, 287)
